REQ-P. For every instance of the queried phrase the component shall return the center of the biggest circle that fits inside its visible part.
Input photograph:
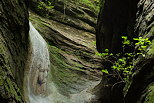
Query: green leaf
(125, 71)
(143, 47)
(140, 38)
(139, 53)
(114, 67)
(111, 54)
(98, 54)
(105, 71)
(127, 42)
(146, 39)
(121, 60)
(137, 43)
(135, 39)
(124, 37)
(106, 50)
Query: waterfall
(39, 67)
(42, 89)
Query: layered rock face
(13, 49)
(132, 18)
(74, 41)
(74, 65)
(68, 12)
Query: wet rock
(45, 74)
(40, 78)
(74, 65)
(77, 42)
(39, 63)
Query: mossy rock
(150, 95)
(8, 88)
(66, 73)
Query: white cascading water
(39, 67)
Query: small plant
(125, 41)
(92, 4)
(124, 63)
(45, 6)
(105, 71)
(142, 44)
(105, 55)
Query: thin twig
(116, 84)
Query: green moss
(6, 78)
(151, 51)
(1, 80)
(150, 95)
(92, 4)
(57, 55)
(12, 89)
(69, 72)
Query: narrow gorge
(72, 51)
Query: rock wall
(116, 18)
(68, 12)
(66, 36)
(13, 49)
(140, 88)
(74, 65)
(132, 18)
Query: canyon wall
(132, 18)
(13, 49)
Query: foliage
(142, 45)
(105, 55)
(124, 62)
(93, 4)
(42, 5)
(105, 71)
(45, 6)
(125, 41)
